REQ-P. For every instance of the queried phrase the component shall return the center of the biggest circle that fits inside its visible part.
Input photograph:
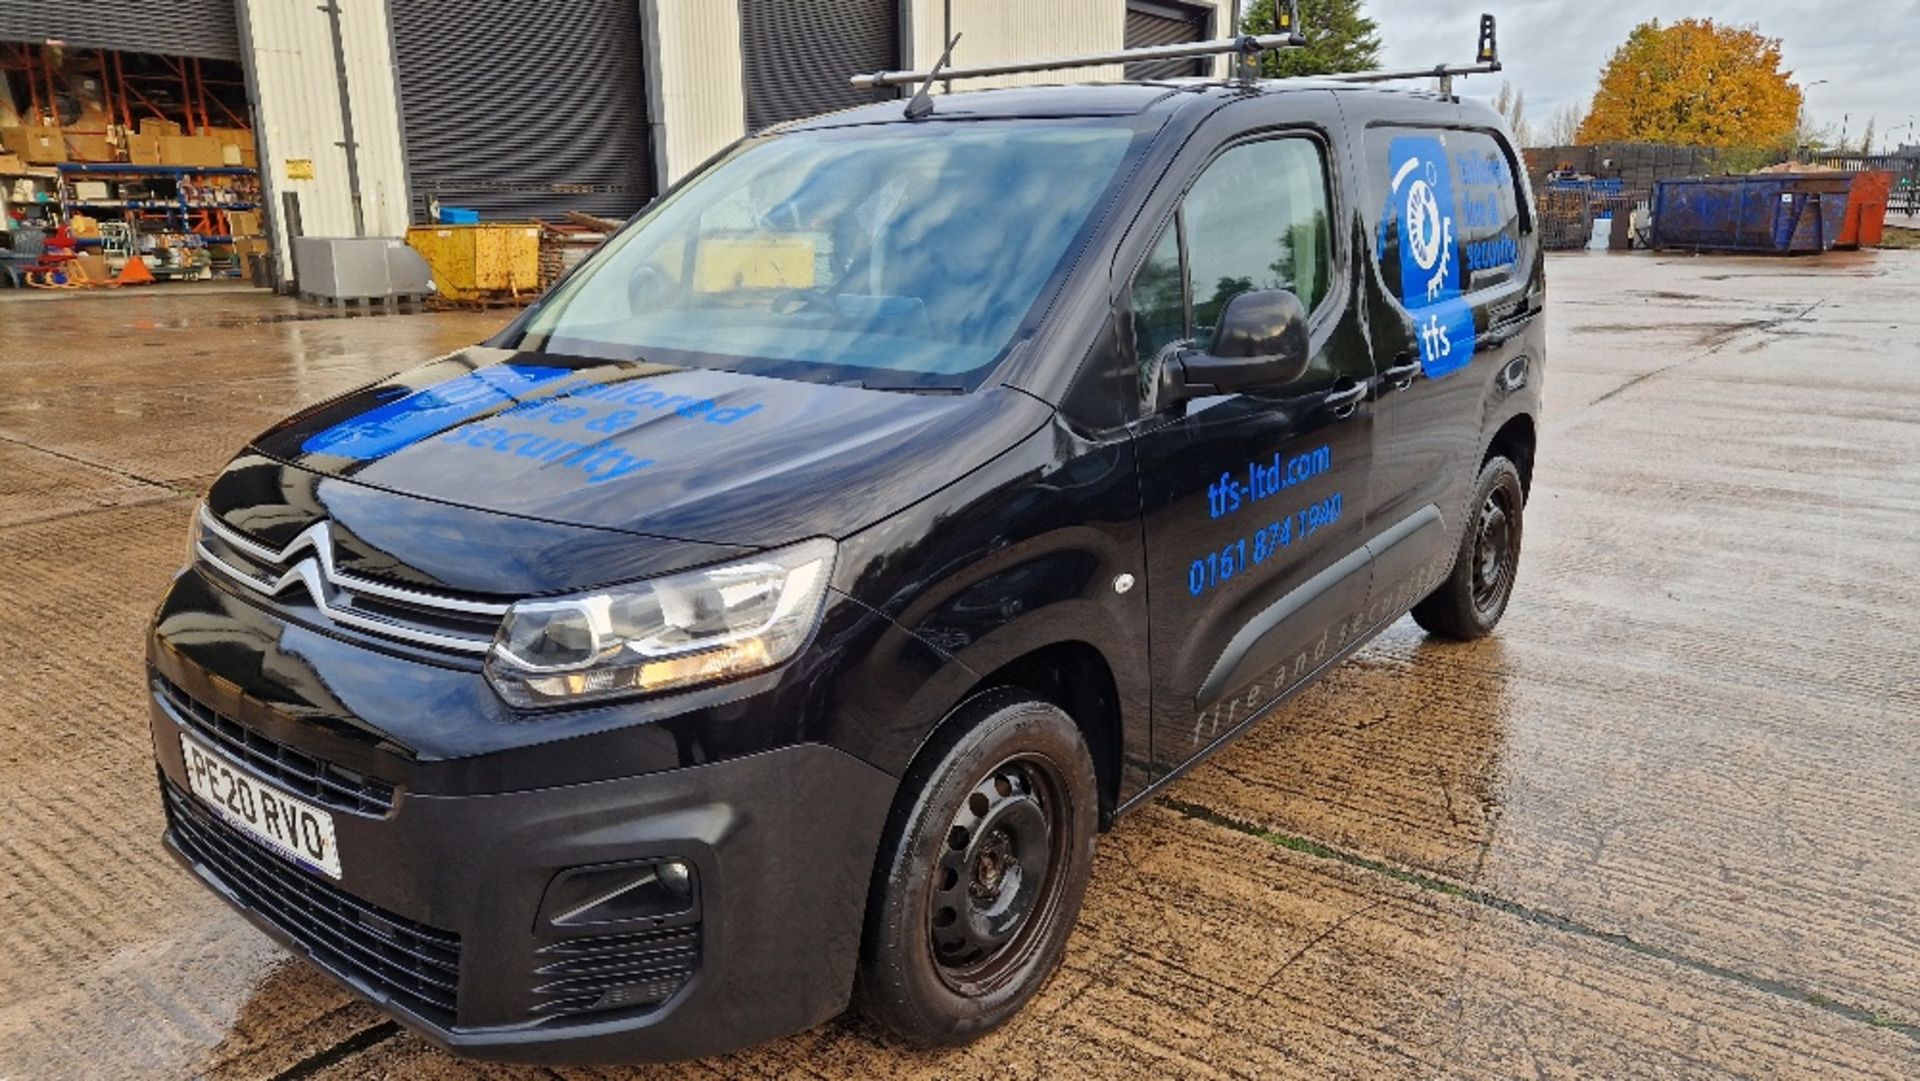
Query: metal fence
(1904, 198)
(1568, 212)
(1638, 165)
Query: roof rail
(1486, 60)
(1246, 45)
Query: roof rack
(1247, 45)
(1486, 60)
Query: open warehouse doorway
(126, 138)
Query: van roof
(1085, 100)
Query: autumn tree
(1695, 83)
(1339, 38)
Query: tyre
(981, 874)
(1474, 596)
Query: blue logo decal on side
(1421, 203)
(425, 413)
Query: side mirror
(1260, 343)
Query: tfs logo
(1434, 342)
(1421, 207)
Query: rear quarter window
(1452, 221)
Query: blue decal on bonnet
(1421, 203)
(424, 413)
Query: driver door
(1253, 504)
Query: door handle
(1399, 377)
(1345, 402)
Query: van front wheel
(982, 873)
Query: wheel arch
(1516, 440)
(1075, 676)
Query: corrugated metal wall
(1018, 29)
(292, 80)
(798, 54)
(204, 28)
(1158, 22)
(524, 108)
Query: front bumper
(436, 915)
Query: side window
(1490, 219)
(1258, 219)
(1451, 220)
(1159, 299)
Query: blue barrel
(1769, 213)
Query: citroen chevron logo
(318, 539)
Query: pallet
(385, 305)
(489, 302)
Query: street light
(1800, 136)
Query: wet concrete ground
(1666, 822)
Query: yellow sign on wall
(299, 168)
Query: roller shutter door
(1158, 22)
(203, 28)
(523, 108)
(798, 54)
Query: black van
(768, 619)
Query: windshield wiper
(938, 388)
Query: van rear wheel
(1474, 596)
(982, 872)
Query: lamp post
(1800, 137)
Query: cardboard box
(236, 145)
(10, 165)
(243, 223)
(143, 149)
(91, 148)
(157, 127)
(94, 266)
(36, 144)
(190, 150)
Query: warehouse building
(222, 127)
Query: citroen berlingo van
(771, 617)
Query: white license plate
(292, 827)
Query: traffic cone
(135, 272)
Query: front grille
(302, 578)
(298, 772)
(601, 973)
(415, 965)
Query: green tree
(1339, 38)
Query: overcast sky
(1553, 50)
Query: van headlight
(676, 631)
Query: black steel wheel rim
(1494, 558)
(996, 883)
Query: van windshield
(898, 256)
